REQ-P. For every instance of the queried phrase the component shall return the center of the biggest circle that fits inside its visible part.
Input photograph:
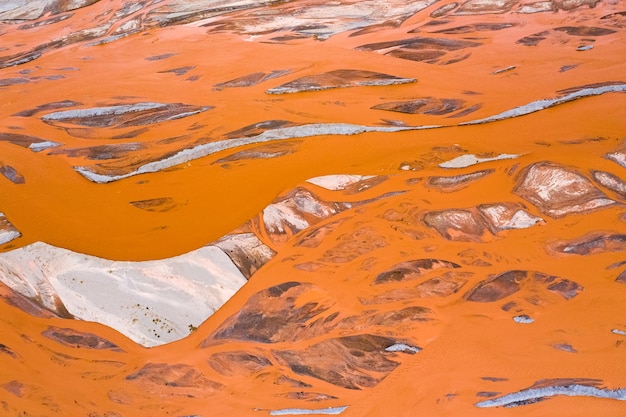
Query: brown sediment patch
(123, 115)
(272, 315)
(352, 362)
(256, 129)
(457, 182)
(173, 379)
(585, 30)
(426, 105)
(12, 174)
(101, 152)
(238, 363)
(161, 204)
(558, 191)
(73, 338)
(510, 282)
(593, 243)
(341, 78)
(477, 27)
(478, 7)
(610, 181)
(410, 270)
(251, 79)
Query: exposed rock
(409, 270)
(558, 191)
(618, 157)
(610, 181)
(533, 40)
(7, 231)
(31, 142)
(467, 160)
(561, 286)
(565, 347)
(407, 315)
(577, 93)
(161, 204)
(74, 338)
(178, 379)
(268, 151)
(510, 282)
(498, 287)
(124, 115)
(246, 251)
(352, 362)
(48, 106)
(459, 224)
(572, 4)
(537, 7)
(11, 174)
(441, 286)
(238, 363)
(251, 79)
(506, 216)
(156, 163)
(296, 211)
(101, 152)
(5, 82)
(472, 7)
(354, 244)
(15, 387)
(339, 79)
(421, 43)
(274, 315)
(476, 27)
(572, 387)
(340, 182)
(457, 182)
(594, 243)
(305, 411)
(160, 56)
(585, 30)
(308, 396)
(443, 10)
(427, 105)
(25, 304)
(313, 237)
(258, 128)
(152, 302)
(178, 71)
(4, 349)
(31, 10)
(523, 319)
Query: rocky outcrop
(341, 78)
(7, 231)
(352, 362)
(475, 224)
(410, 270)
(238, 363)
(593, 243)
(71, 337)
(174, 379)
(510, 282)
(123, 115)
(274, 315)
(559, 191)
(296, 211)
(152, 302)
(246, 251)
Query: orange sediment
(471, 349)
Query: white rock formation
(151, 302)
